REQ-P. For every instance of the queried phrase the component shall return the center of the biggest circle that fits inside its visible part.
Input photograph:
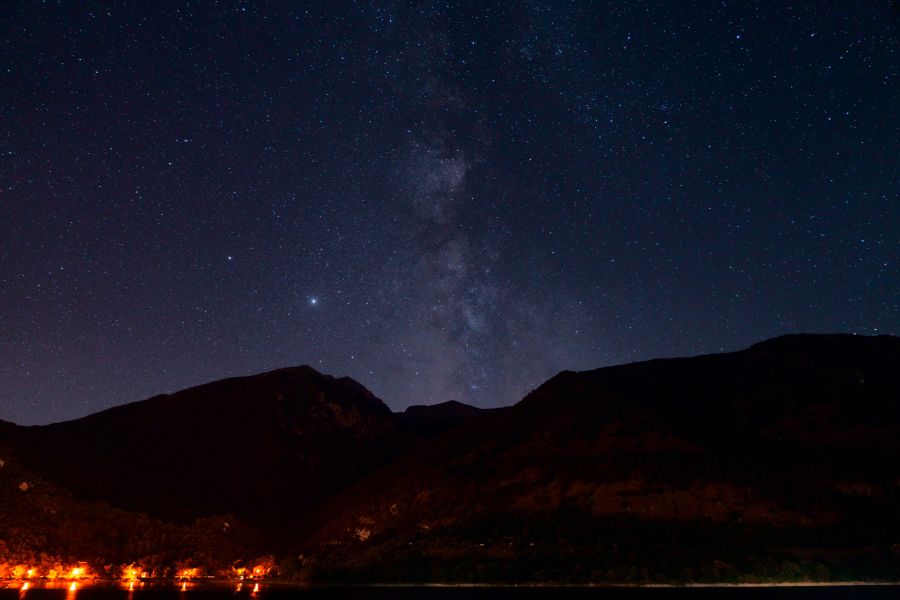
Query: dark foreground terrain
(780, 462)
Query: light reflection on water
(223, 590)
(90, 590)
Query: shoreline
(276, 584)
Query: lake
(169, 591)
(205, 591)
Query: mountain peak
(301, 434)
(451, 409)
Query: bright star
(313, 301)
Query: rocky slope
(785, 454)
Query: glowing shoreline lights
(71, 577)
(58, 573)
(132, 573)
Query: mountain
(263, 452)
(434, 419)
(451, 409)
(779, 461)
(227, 470)
(267, 448)
(49, 529)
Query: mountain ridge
(682, 464)
(733, 450)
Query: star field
(442, 200)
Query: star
(458, 226)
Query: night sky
(440, 200)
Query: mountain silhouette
(261, 447)
(725, 462)
(778, 461)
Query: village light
(131, 573)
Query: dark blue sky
(440, 200)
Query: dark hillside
(789, 448)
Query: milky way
(440, 200)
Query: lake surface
(168, 591)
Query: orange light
(25, 586)
(256, 589)
(29, 573)
(76, 573)
(184, 587)
(73, 587)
